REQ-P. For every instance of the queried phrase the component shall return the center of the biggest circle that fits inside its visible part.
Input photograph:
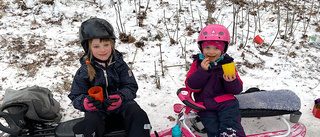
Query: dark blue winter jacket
(120, 80)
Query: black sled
(17, 125)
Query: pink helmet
(214, 32)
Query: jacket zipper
(106, 76)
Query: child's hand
(205, 64)
(229, 78)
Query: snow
(39, 46)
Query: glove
(91, 104)
(113, 102)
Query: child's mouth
(103, 54)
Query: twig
(156, 76)
(287, 20)
(165, 22)
(316, 85)
(161, 61)
(185, 55)
(135, 6)
(289, 50)
(182, 49)
(235, 12)
(180, 5)
(145, 11)
(177, 29)
(134, 57)
(173, 66)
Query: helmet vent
(221, 33)
(205, 33)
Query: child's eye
(106, 45)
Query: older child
(102, 65)
(212, 87)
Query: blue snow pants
(224, 123)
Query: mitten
(115, 102)
(91, 104)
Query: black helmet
(95, 28)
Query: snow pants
(224, 123)
(135, 122)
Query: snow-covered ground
(39, 46)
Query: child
(102, 65)
(212, 87)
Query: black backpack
(41, 104)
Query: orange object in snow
(258, 39)
(316, 110)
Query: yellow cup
(229, 68)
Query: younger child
(212, 87)
(102, 65)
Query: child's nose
(104, 49)
(212, 51)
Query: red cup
(258, 39)
(316, 110)
(96, 92)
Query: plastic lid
(176, 131)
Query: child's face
(211, 52)
(101, 49)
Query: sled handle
(187, 100)
(15, 120)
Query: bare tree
(118, 18)
(172, 41)
(235, 15)
(200, 20)
(316, 16)
(258, 14)
(191, 11)
(287, 20)
(278, 12)
(308, 20)
(293, 15)
(248, 14)
(210, 5)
